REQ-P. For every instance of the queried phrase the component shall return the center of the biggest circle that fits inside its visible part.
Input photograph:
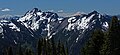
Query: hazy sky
(18, 7)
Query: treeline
(104, 43)
(44, 47)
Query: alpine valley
(73, 31)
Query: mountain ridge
(74, 30)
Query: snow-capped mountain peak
(36, 24)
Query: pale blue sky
(18, 7)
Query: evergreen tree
(4, 52)
(39, 47)
(44, 47)
(20, 52)
(28, 52)
(59, 48)
(114, 35)
(49, 47)
(112, 43)
(63, 50)
(53, 46)
(67, 52)
(93, 46)
(10, 51)
(106, 46)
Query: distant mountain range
(75, 30)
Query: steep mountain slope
(36, 24)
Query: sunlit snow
(15, 42)
(13, 26)
(105, 24)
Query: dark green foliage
(93, 46)
(20, 52)
(67, 52)
(107, 45)
(112, 42)
(4, 52)
(53, 46)
(114, 35)
(10, 51)
(49, 47)
(39, 47)
(28, 52)
(44, 47)
(61, 50)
